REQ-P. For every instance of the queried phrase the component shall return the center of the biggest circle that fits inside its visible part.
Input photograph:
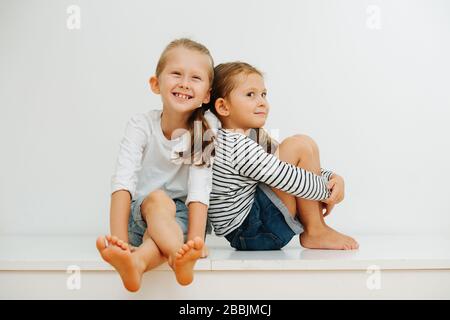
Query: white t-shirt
(147, 161)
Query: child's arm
(197, 223)
(197, 201)
(250, 160)
(197, 220)
(124, 181)
(120, 213)
(326, 173)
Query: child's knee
(307, 141)
(157, 196)
(302, 144)
(158, 202)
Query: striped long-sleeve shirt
(239, 165)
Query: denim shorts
(268, 226)
(137, 224)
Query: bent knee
(302, 143)
(157, 195)
(305, 139)
(157, 202)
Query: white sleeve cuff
(117, 186)
(197, 197)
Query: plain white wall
(368, 80)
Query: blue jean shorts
(137, 224)
(268, 226)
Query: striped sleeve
(326, 173)
(250, 160)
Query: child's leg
(130, 266)
(148, 254)
(159, 210)
(303, 152)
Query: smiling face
(184, 82)
(246, 106)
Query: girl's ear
(222, 107)
(154, 84)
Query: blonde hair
(187, 44)
(225, 81)
(199, 113)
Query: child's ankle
(315, 230)
(170, 261)
(139, 263)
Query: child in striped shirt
(259, 200)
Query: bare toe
(101, 243)
(185, 261)
(198, 243)
(190, 243)
(353, 243)
(122, 261)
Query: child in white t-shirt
(158, 199)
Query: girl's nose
(184, 83)
(262, 101)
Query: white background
(376, 100)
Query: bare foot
(185, 259)
(117, 253)
(327, 238)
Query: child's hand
(337, 186)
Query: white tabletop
(384, 252)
